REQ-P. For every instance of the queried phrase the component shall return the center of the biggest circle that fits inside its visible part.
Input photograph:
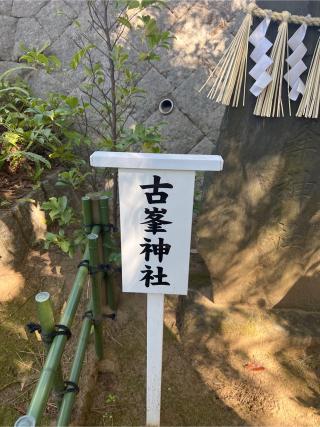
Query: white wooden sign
(156, 200)
(156, 215)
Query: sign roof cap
(191, 162)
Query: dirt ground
(22, 354)
(222, 365)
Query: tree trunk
(259, 231)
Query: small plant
(111, 86)
(43, 131)
(73, 178)
(58, 210)
(111, 398)
(108, 416)
(62, 217)
(36, 131)
(65, 243)
(37, 58)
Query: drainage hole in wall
(166, 106)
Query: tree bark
(259, 230)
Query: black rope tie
(105, 227)
(111, 316)
(48, 338)
(62, 330)
(70, 387)
(104, 268)
(33, 327)
(89, 315)
(84, 263)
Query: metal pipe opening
(166, 106)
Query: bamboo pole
(95, 209)
(87, 214)
(45, 383)
(96, 293)
(106, 244)
(69, 398)
(47, 323)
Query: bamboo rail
(51, 375)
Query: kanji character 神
(159, 249)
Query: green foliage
(41, 132)
(75, 61)
(62, 217)
(113, 104)
(65, 243)
(72, 177)
(36, 130)
(37, 58)
(58, 210)
(154, 37)
(111, 398)
(147, 139)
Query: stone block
(156, 88)
(201, 110)
(27, 8)
(173, 66)
(180, 7)
(77, 5)
(7, 37)
(6, 65)
(31, 34)
(205, 146)
(55, 17)
(179, 134)
(5, 7)
(200, 37)
(64, 48)
(43, 83)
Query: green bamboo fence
(51, 375)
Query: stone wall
(201, 30)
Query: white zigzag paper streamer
(297, 66)
(263, 61)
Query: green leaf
(79, 55)
(125, 21)
(65, 246)
(133, 4)
(72, 101)
(149, 56)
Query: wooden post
(155, 304)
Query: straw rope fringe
(229, 76)
(269, 102)
(309, 105)
(228, 79)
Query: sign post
(156, 200)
